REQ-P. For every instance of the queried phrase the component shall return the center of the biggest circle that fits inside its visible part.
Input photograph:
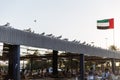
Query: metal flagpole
(106, 43)
(113, 37)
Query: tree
(113, 48)
(38, 64)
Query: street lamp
(92, 43)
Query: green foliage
(4, 67)
(38, 64)
(71, 64)
(113, 47)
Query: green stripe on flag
(103, 21)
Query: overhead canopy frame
(19, 37)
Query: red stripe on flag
(111, 22)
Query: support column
(31, 65)
(113, 65)
(14, 62)
(23, 67)
(55, 64)
(82, 67)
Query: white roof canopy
(19, 37)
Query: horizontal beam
(19, 37)
(47, 57)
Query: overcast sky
(73, 19)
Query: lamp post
(106, 42)
(92, 43)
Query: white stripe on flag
(103, 24)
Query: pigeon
(7, 24)
(42, 33)
(84, 42)
(59, 37)
(28, 30)
(49, 35)
(35, 20)
(65, 39)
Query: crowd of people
(90, 74)
(107, 74)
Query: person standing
(106, 74)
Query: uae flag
(105, 24)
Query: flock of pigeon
(65, 39)
(52, 36)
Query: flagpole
(112, 26)
(113, 37)
(106, 43)
(101, 24)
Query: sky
(73, 19)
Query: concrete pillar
(82, 67)
(31, 65)
(14, 62)
(113, 65)
(55, 64)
